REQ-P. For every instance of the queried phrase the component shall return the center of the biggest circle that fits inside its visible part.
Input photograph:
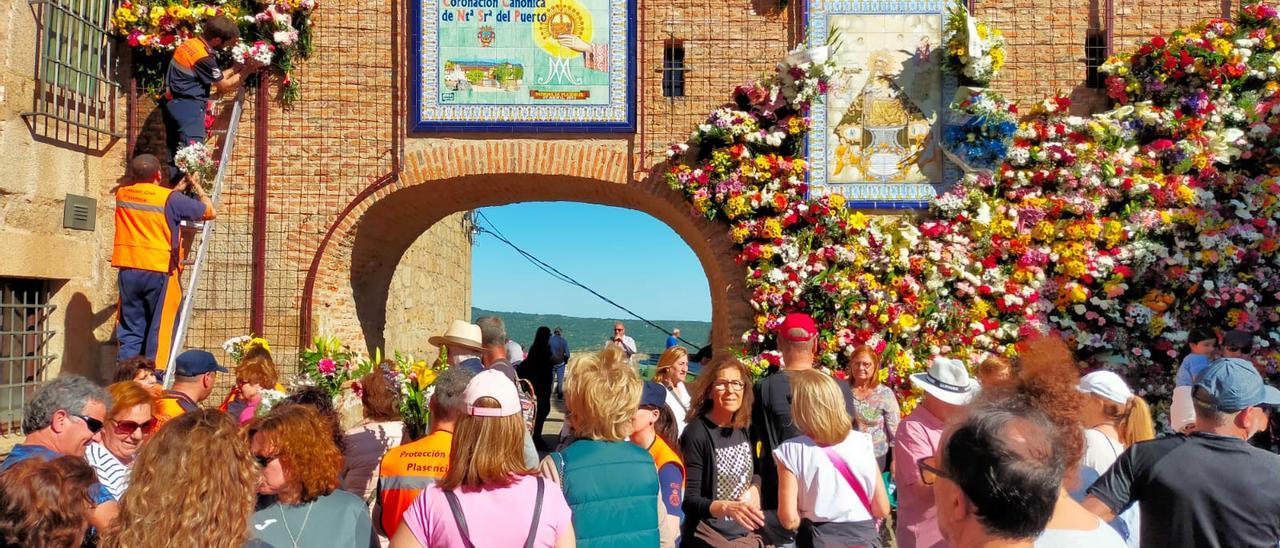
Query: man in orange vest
(407, 470)
(192, 72)
(146, 252)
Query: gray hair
(492, 331)
(447, 399)
(70, 393)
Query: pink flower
(326, 366)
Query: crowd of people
(1024, 452)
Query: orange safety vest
(185, 58)
(407, 470)
(663, 455)
(143, 238)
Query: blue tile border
(618, 117)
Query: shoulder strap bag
(461, 519)
(848, 477)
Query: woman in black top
(537, 369)
(721, 502)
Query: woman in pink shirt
(488, 497)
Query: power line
(492, 230)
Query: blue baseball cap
(653, 394)
(1234, 385)
(196, 362)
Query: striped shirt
(112, 473)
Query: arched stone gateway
(352, 270)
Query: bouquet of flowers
(415, 380)
(984, 125)
(238, 346)
(196, 159)
(261, 52)
(974, 51)
(329, 364)
(270, 397)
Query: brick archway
(352, 270)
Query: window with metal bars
(1095, 54)
(673, 69)
(76, 65)
(24, 346)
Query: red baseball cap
(795, 324)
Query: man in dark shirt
(1211, 488)
(771, 421)
(191, 73)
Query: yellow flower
(1043, 231)
(837, 201)
(858, 220)
(1077, 293)
(1223, 46)
(258, 342)
(772, 228)
(738, 234)
(906, 322)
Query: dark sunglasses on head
(126, 428)
(93, 424)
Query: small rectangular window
(1095, 54)
(673, 69)
(76, 65)
(25, 333)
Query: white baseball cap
(1107, 385)
(495, 384)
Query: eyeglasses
(617, 329)
(929, 470)
(263, 460)
(735, 386)
(127, 428)
(93, 424)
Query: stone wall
(431, 287)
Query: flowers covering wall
(974, 51)
(277, 32)
(1122, 230)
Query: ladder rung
(191, 225)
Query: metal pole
(261, 135)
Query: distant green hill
(591, 333)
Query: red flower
(1158, 41)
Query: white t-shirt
(1100, 451)
(825, 496)
(515, 354)
(112, 473)
(678, 402)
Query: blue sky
(626, 255)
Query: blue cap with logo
(653, 394)
(1234, 385)
(196, 362)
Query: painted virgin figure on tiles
(880, 119)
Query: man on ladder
(146, 252)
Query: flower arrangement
(154, 28)
(984, 126)
(973, 51)
(415, 380)
(196, 159)
(260, 52)
(332, 366)
(269, 399)
(1121, 231)
(236, 347)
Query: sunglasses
(93, 424)
(263, 460)
(127, 428)
(929, 470)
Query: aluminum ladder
(205, 231)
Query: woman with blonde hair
(610, 483)
(129, 423)
(191, 485)
(1114, 419)
(673, 369)
(488, 495)
(721, 498)
(293, 445)
(829, 485)
(876, 409)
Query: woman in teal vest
(611, 484)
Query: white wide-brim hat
(460, 333)
(948, 380)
